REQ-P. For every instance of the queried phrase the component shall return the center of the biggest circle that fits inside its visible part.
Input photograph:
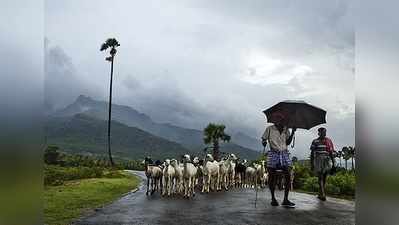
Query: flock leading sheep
(182, 177)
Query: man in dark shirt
(322, 159)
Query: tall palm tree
(110, 43)
(352, 155)
(214, 133)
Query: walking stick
(256, 182)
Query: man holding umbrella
(279, 137)
(287, 114)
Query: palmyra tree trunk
(109, 114)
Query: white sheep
(196, 162)
(265, 179)
(250, 175)
(153, 174)
(210, 173)
(231, 169)
(223, 173)
(260, 171)
(178, 175)
(189, 173)
(168, 176)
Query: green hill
(86, 135)
(190, 139)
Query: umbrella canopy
(298, 114)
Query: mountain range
(68, 124)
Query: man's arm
(265, 136)
(331, 151)
(289, 140)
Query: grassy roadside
(346, 197)
(70, 200)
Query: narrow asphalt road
(233, 207)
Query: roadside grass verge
(346, 197)
(70, 200)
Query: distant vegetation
(61, 167)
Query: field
(72, 199)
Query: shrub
(302, 173)
(342, 183)
(114, 174)
(56, 175)
(311, 184)
(52, 155)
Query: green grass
(64, 203)
(346, 197)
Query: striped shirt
(323, 145)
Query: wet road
(233, 207)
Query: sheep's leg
(205, 180)
(177, 185)
(208, 183)
(233, 175)
(226, 183)
(182, 185)
(203, 184)
(148, 184)
(169, 185)
(152, 185)
(217, 181)
(164, 186)
(186, 186)
(193, 186)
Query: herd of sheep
(173, 177)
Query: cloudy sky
(193, 62)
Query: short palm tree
(110, 43)
(339, 155)
(346, 156)
(214, 133)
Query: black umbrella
(299, 114)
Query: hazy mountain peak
(84, 99)
(189, 138)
